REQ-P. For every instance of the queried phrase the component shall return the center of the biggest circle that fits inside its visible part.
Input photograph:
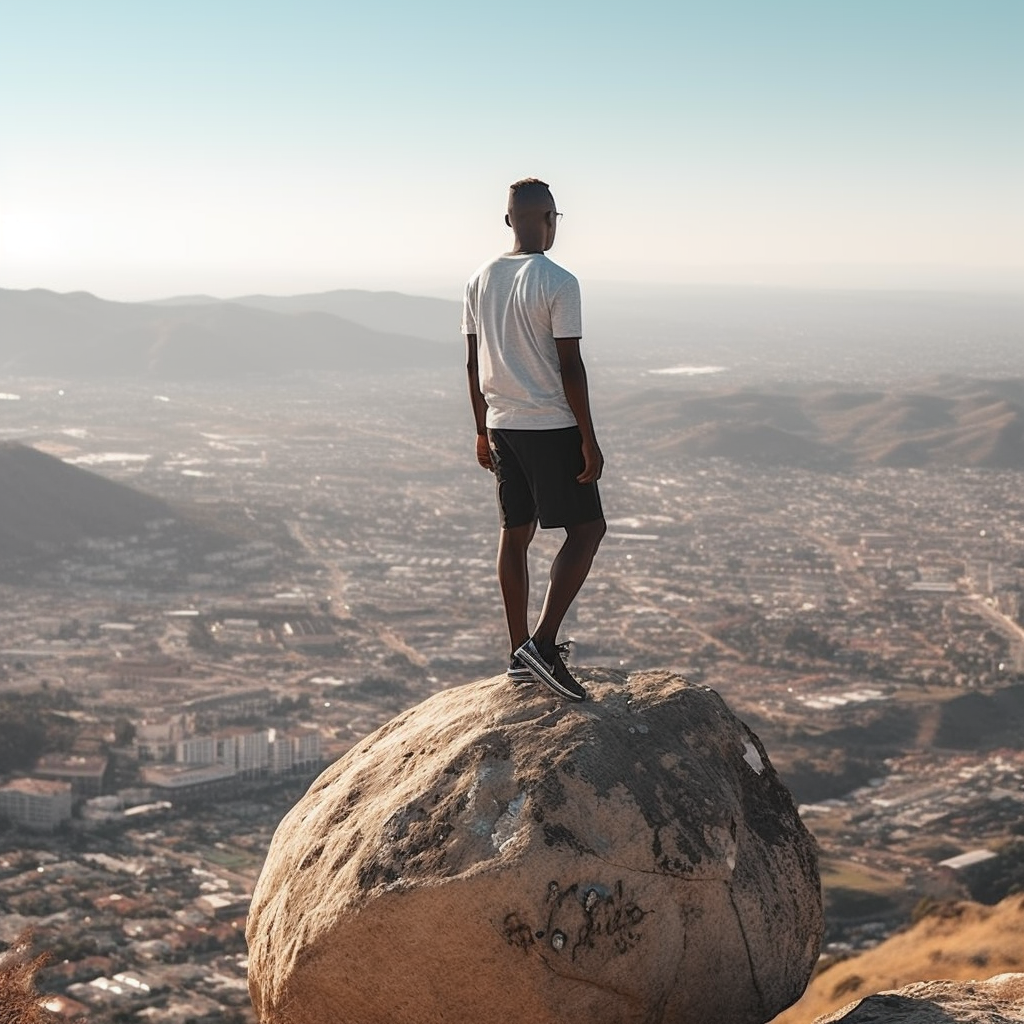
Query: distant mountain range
(47, 506)
(758, 334)
(948, 421)
(43, 333)
(390, 312)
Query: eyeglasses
(558, 216)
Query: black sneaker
(517, 670)
(553, 675)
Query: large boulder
(1000, 1000)
(495, 855)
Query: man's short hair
(525, 182)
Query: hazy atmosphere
(152, 150)
(253, 690)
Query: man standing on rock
(528, 388)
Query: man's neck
(529, 242)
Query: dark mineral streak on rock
(559, 834)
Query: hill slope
(948, 421)
(957, 941)
(44, 333)
(419, 316)
(47, 505)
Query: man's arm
(574, 383)
(479, 403)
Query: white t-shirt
(517, 305)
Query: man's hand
(593, 463)
(483, 452)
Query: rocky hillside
(947, 421)
(956, 941)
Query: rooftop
(36, 787)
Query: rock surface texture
(1000, 1000)
(495, 855)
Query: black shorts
(536, 474)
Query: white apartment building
(294, 750)
(282, 755)
(306, 748)
(41, 804)
(247, 752)
(196, 750)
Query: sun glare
(28, 236)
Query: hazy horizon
(922, 281)
(778, 277)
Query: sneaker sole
(541, 673)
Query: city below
(319, 555)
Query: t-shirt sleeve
(566, 319)
(468, 315)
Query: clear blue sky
(152, 149)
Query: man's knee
(516, 537)
(589, 533)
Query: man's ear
(507, 221)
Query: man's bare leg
(514, 580)
(569, 570)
